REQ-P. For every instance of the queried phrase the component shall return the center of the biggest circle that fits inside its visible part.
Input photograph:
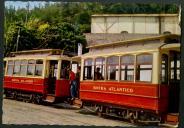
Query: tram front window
(112, 68)
(144, 67)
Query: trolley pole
(181, 109)
(1, 55)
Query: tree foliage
(62, 24)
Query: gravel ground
(17, 112)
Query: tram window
(175, 66)
(39, 68)
(178, 70)
(88, 69)
(127, 67)
(31, 67)
(64, 71)
(10, 68)
(164, 72)
(144, 67)
(23, 68)
(99, 68)
(113, 68)
(16, 70)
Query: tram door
(52, 76)
(174, 81)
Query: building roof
(134, 15)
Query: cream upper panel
(125, 49)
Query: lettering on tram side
(15, 80)
(113, 89)
(19, 80)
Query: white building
(135, 23)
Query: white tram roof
(123, 43)
(95, 40)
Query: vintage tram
(37, 75)
(136, 77)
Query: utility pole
(27, 7)
(18, 36)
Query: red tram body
(39, 80)
(127, 94)
(140, 76)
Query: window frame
(164, 57)
(102, 67)
(39, 65)
(33, 67)
(7, 67)
(174, 55)
(118, 64)
(126, 69)
(136, 72)
(61, 69)
(92, 69)
(24, 65)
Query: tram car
(37, 75)
(132, 76)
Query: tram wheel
(14, 95)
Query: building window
(31, 67)
(127, 67)
(10, 68)
(39, 68)
(144, 67)
(113, 68)
(64, 69)
(23, 68)
(164, 69)
(88, 69)
(99, 68)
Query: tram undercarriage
(23, 95)
(132, 115)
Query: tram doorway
(53, 68)
(174, 82)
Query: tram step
(172, 118)
(77, 102)
(167, 125)
(50, 98)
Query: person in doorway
(73, 84)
